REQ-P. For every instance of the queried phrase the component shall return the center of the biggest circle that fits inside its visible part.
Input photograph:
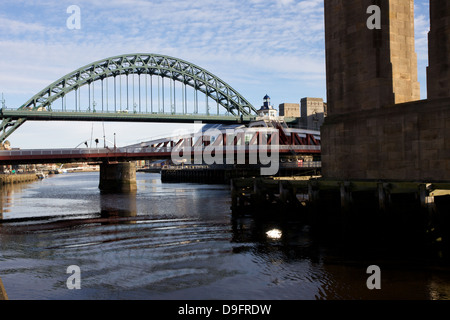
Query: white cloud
(19, 27)
(255, 46)
(284, 2)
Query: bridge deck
(34, 156)
(121, 117)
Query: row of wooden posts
(294, 191)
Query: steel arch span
(144, 63)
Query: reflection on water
(121, 205)
(10, 194)
(179, 241)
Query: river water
(180, 241)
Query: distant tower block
(369, 68)
(438, 73)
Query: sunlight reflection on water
(176, 241)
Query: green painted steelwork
(10, 115)
(8, 126)
(144, 63)
(39, 107)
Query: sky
(259, 47)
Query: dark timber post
(346, 195)
(3, 295)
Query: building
(313, 112)
(289, 110)
(267, 109)
(310, 113)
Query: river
(180, 241)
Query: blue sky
(256, 46)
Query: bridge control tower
(267, 109)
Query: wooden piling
(346, 195)
(352, 194)
(3, 295)
(423, 195)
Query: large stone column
(370, 72)
(369, 68)
(118, 177)
(438, 72)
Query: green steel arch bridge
(138, 87)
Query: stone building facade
(289, 110)
(312, 113)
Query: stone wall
(289, 110)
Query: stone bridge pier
(377, 127)
(378, 130)
(118, 177)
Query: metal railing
(304, 164)
(131, 151)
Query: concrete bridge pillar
(118, 177)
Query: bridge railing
(148, 150)
(50, 152)
(122, 112)
(233, 147)
(302, 164)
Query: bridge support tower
(377, 128)
(118, 177)
(438, 72)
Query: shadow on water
(139, 246)
(406, 244)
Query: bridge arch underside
(141, 83)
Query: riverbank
(17, 178)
